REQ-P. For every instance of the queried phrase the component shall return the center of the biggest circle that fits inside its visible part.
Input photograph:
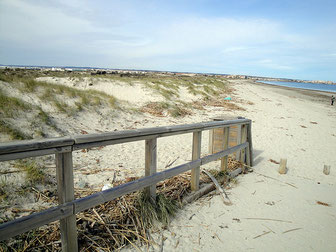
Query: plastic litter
(107, 186)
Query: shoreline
(298, 91)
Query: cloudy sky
(278, 38)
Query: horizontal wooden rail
(33, 148)
(21, 225)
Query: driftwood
(267, 219)
(208, 188)
(219, 188)
(290, 230)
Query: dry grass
(162, 109)
(220, 102)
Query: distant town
(127, 72)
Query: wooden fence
(63, 147)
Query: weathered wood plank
(211, 135)
(33, 153)
(243, 140)
(65, 188)
(24, 224)
(105, 142)
(224, 160)
(196, 154)
(283, 166)
(36, 144)
(248, 155)
(249, 139)
(151, 165)
(162, 131)
(223, 153)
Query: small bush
(159, 210)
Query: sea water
(311, 86)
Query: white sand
(277, 114)
(286, 124)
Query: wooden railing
(63, 147)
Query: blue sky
(290, 39)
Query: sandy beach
(290, 212)
(271, 211)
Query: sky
(288, 39)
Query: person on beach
(332, 100)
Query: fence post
(243, 140)
(150, 165)
(224, 160)
(249, 139)
(196, 154)
(65, 188)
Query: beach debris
(302, 126)
(191, 216)
(267, 219)
(219, 188)
(171, 163)
(270, 203)
(269, 229)
(276, 180)
(322, 203)
(227, 98)
(265, 233)
(326, 169)
(177, 243)
(107, 186)
(236, 219)
(290, 230)
(217, 237)
(282, 167)
(273, 161)
(84, 132)
(313, 122)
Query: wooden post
(65, 188)
(282, 166)
(243, 140)
(211, 140)
(249, 139)
(224, 160)
(239, 137)
(150, 165)
(196, 154)
(326, 169)
(248, 155)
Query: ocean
(311, 86)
